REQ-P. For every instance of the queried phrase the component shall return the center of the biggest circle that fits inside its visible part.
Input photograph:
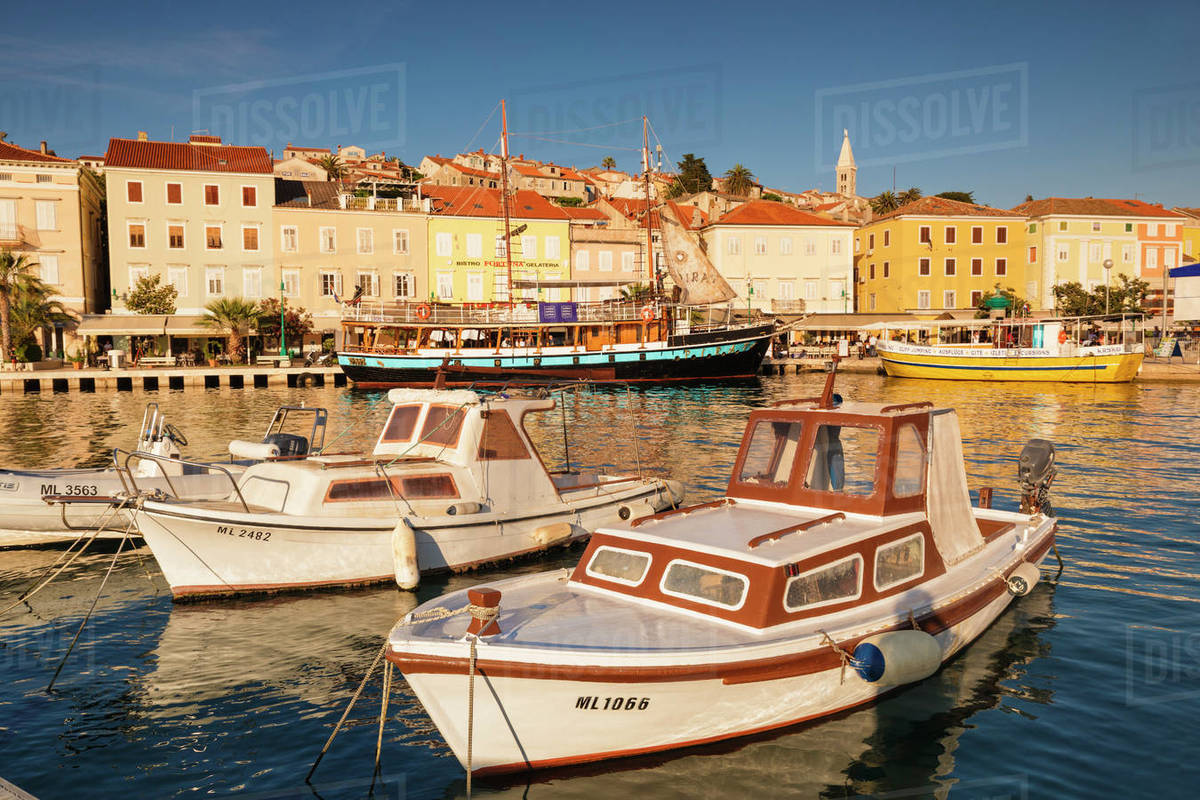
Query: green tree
(233, 316)
(1072, 300)
(635, 292)
(148, 297)
(1016, 303)
(333, 166)
(32, 308)
(962, 197)
(297, 323)
(572, 202)
(739, 180)
(772, 196)
(15, 271)
(911, 196)
(884, 203)
(693, 176)
(609, 162)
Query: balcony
(787, 306)
(10, 234)
(393, 204)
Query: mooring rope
(346, 713)
(847, 658)
(471, 710)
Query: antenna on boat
(827, 394)
(504, 196)
(651, 272)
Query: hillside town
(317, 227)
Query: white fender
(897, 657)
(404, 556)
(464, 507)
(257, 451)
(1022, 579)
(552, 534)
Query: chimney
(695, 216)
(43, 147)
(143, 136)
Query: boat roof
(457, 397)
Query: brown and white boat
(844, 560)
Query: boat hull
(1095, 367)
(533, 716)
(214, 552)
(694, 357)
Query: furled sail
(689, 266)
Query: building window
(948, 299)
(8, 219)
(252, 282)
(178, 277)
(250, 239)
(1062, 226)
(1094, 251)
(785, 246)
(175, 237)
(553, 251)
(810, 247)
(605, 261)
(402, 284)
(923, 298)
(328, 240)
(1001, 266)
(444, 243)
(133, 191)
(214, 278)
(1002, 234)
(760, 245)
(835, 247)
(1064, 253)
(529, 247)
(1096, 226)
(871, 272)
(735, 246)
(1152, 259)
(810, 290)
(249, 196)
(870, 241)
(474, 287)
(1152, 229)
(501, 246)
(291, 283)
(330, 283)
(923, 266)
(400, 242)
(581, 259)
(474, 245)
(48, 266)
(366, 241)
(1033, 227)
(137, 234)
(1127, 253)
(289, 239)
(369, 284)
(1032, 255)
(951, 234)
(47, 215)
(175, 193)
(1129, 227)
(871, 302)
(886, 269)
(500, 287)
(887, 238)
(950, 266)
(136, 274)
(976, 299)
(212, 237)
(976, 234)
(445, 285)
(925, 236)
(627, 262)
(1168, 258)
(212, 194)
(976, 266)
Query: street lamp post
(1108, 263)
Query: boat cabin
(830, 507)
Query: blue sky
(1005, 99)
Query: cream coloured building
(50, 211)
(196, 213)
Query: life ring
(647, 314)
(1062, 337)
(305, 379)
(423, 311)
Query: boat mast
(651, 271)
(504, 197)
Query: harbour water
(1088, 687)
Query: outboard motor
(1035, 473)
(289, 444)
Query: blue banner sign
(557, 312)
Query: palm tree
(15, 270)
(884, 202)
(739, 180)
(33, 308)
(911, 196)
(333, 167)
(231, 315)
(609, 162)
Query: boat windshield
(843, 460)
(771, 453)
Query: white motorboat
(454, 482)
(845, 560)
(84, 496)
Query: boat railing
(129, 480)
(520, 313)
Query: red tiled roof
(12, 152)
(943, 207)
(529, 172)
(307, 149)
(138, 154)
(583, 212)
(478, 173)
(769, 212)
(1091, 207)
(635, 209)
(472, 201)
(1194, 213)
(439, 160)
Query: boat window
(501, 440)
(622, 566)
(424, 486)
(825, 585)
(401, 423)
(442, 424)
(771, 453)
(708, 585)
(371, 489)
(843, 460)
(909, 477)
(899, 561)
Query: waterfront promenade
(178, 378)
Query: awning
(561, 283)
(144, 325)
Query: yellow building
(329, 244)
(936, 255)
(1191, 234)
(50, 213)
(466, 245)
